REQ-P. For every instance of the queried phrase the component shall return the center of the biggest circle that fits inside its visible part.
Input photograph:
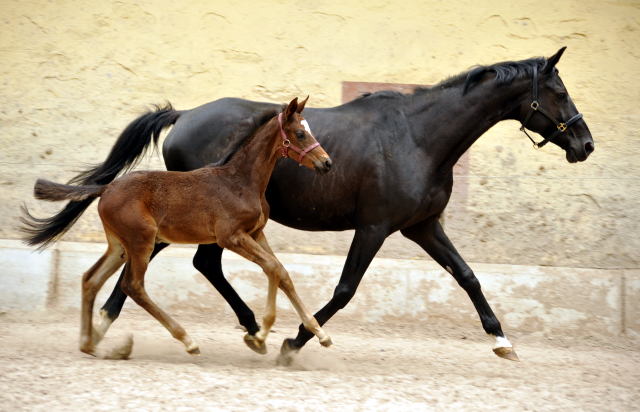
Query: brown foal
(218, 203)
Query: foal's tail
(56, 192)
(125, 154)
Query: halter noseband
(287, 144)
(535, 106)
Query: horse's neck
(255, 161)
(467, 118)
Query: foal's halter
(535, 106)
(287, 144)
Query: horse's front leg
(431, 237)
(366, 243)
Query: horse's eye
(562, 96)
(300, 135)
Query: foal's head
(298, 142)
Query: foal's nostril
(328, 164)
(588, 147)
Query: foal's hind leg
(112, 307)
(92, 281)
(133, 286)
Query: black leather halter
(535, 106)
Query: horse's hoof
(255, 345)
(287, 353)
(193, 350)
(506, 353)
(327, 343)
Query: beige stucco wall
(73, 74)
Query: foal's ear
(553, 60)
(291, 109)
(301, 105)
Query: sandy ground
(391, 366)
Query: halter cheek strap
(535, 107)
(287, 144)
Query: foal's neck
(255, 160)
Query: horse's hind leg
(92, 281)
(133, 286)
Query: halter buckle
(286, 143)
(562, 127)
(535, 145)
(535, 105)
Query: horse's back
(203, 135)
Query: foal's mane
(245, 133)
(505, 73)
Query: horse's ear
(301, 105)
(291, 109)
(553, 60)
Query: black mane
(505, 73)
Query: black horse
(394, 155)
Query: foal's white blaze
(501, 342)
(306, 127)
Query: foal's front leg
(286, 284)
(244, 245)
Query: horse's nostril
(588, 147)
(327, 164)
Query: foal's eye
(300, 135)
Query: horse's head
(298, 142)
(551, 113)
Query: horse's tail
(56, 192)
(125, 154)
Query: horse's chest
(433, 201)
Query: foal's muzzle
(323, 165)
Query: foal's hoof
(506, 353)
(255, 345)
(87, 346)
(194, 350)
(287, 353)
(327, 343)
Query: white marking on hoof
(449, 270)
(501, 342)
